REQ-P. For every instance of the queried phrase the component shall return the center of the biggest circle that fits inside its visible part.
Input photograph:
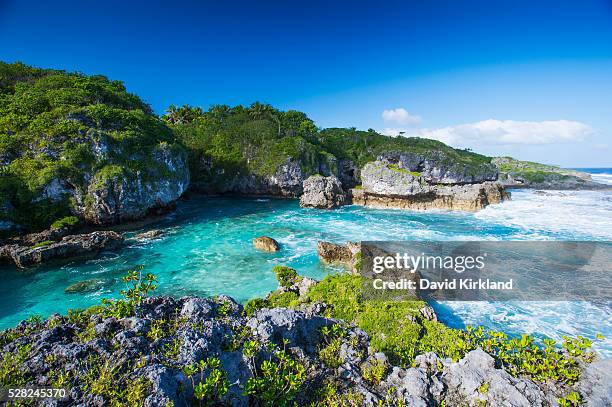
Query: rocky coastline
(160, 351)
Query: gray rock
(167, 386)
(323, 193)
(125, 197)
(197, 309)
(475, 378)
(279, 324)
(387, 185)
(437, 168)
(595, 383)
(70, 246)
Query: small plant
(65, 222)
(276, 380)
(172, 349)
(255, 305)
(44, 243)
(484, 388)
(329, 395)
(224, 309)
(139, 288)
(573, 399)
(159, 329)
(286, 276)
(212, 383)
(10, 367)
(373, 372)
(329, 353)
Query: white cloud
(504, 132)
(400, 116)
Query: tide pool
(206, 249)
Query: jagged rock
(286, 181)
(151, 234)
(386, 185)
(428, 313)
(278, 324)
(215, 327)
(465, 379)
(118, 198)
(267, 244)
(437, 168)
(323, 192)
(70, 246)
(472, 381)
(595, 383)
(333, 253)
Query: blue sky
(524, 78)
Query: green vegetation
(66, 222)
(573, 399)
(138, 288)
(398, 329)
(535, 173)
(226, 142)
(276, 380)
(373, 372)
(56, 125)
(329, 352)
(286, 276)
(44, 243)
(212, 384)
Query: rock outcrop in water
(525, 174)
(194, 350)
(348, 255)
(323, 193)
(84, 245)
(266, 244)
(437, 167)
(386, 184)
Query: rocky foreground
(161, 351)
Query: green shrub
(374, 371)
(276, 381)
(283, 300)
(254, 305)
(44, 243)
(68, 221)
(286, 276)
(138, 288)
(209, 381)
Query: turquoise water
(206, 249)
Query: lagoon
(206, 249)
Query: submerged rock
(151, 234)
(70, 246)
(323, 192)
(84, 286)
(267, 244)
